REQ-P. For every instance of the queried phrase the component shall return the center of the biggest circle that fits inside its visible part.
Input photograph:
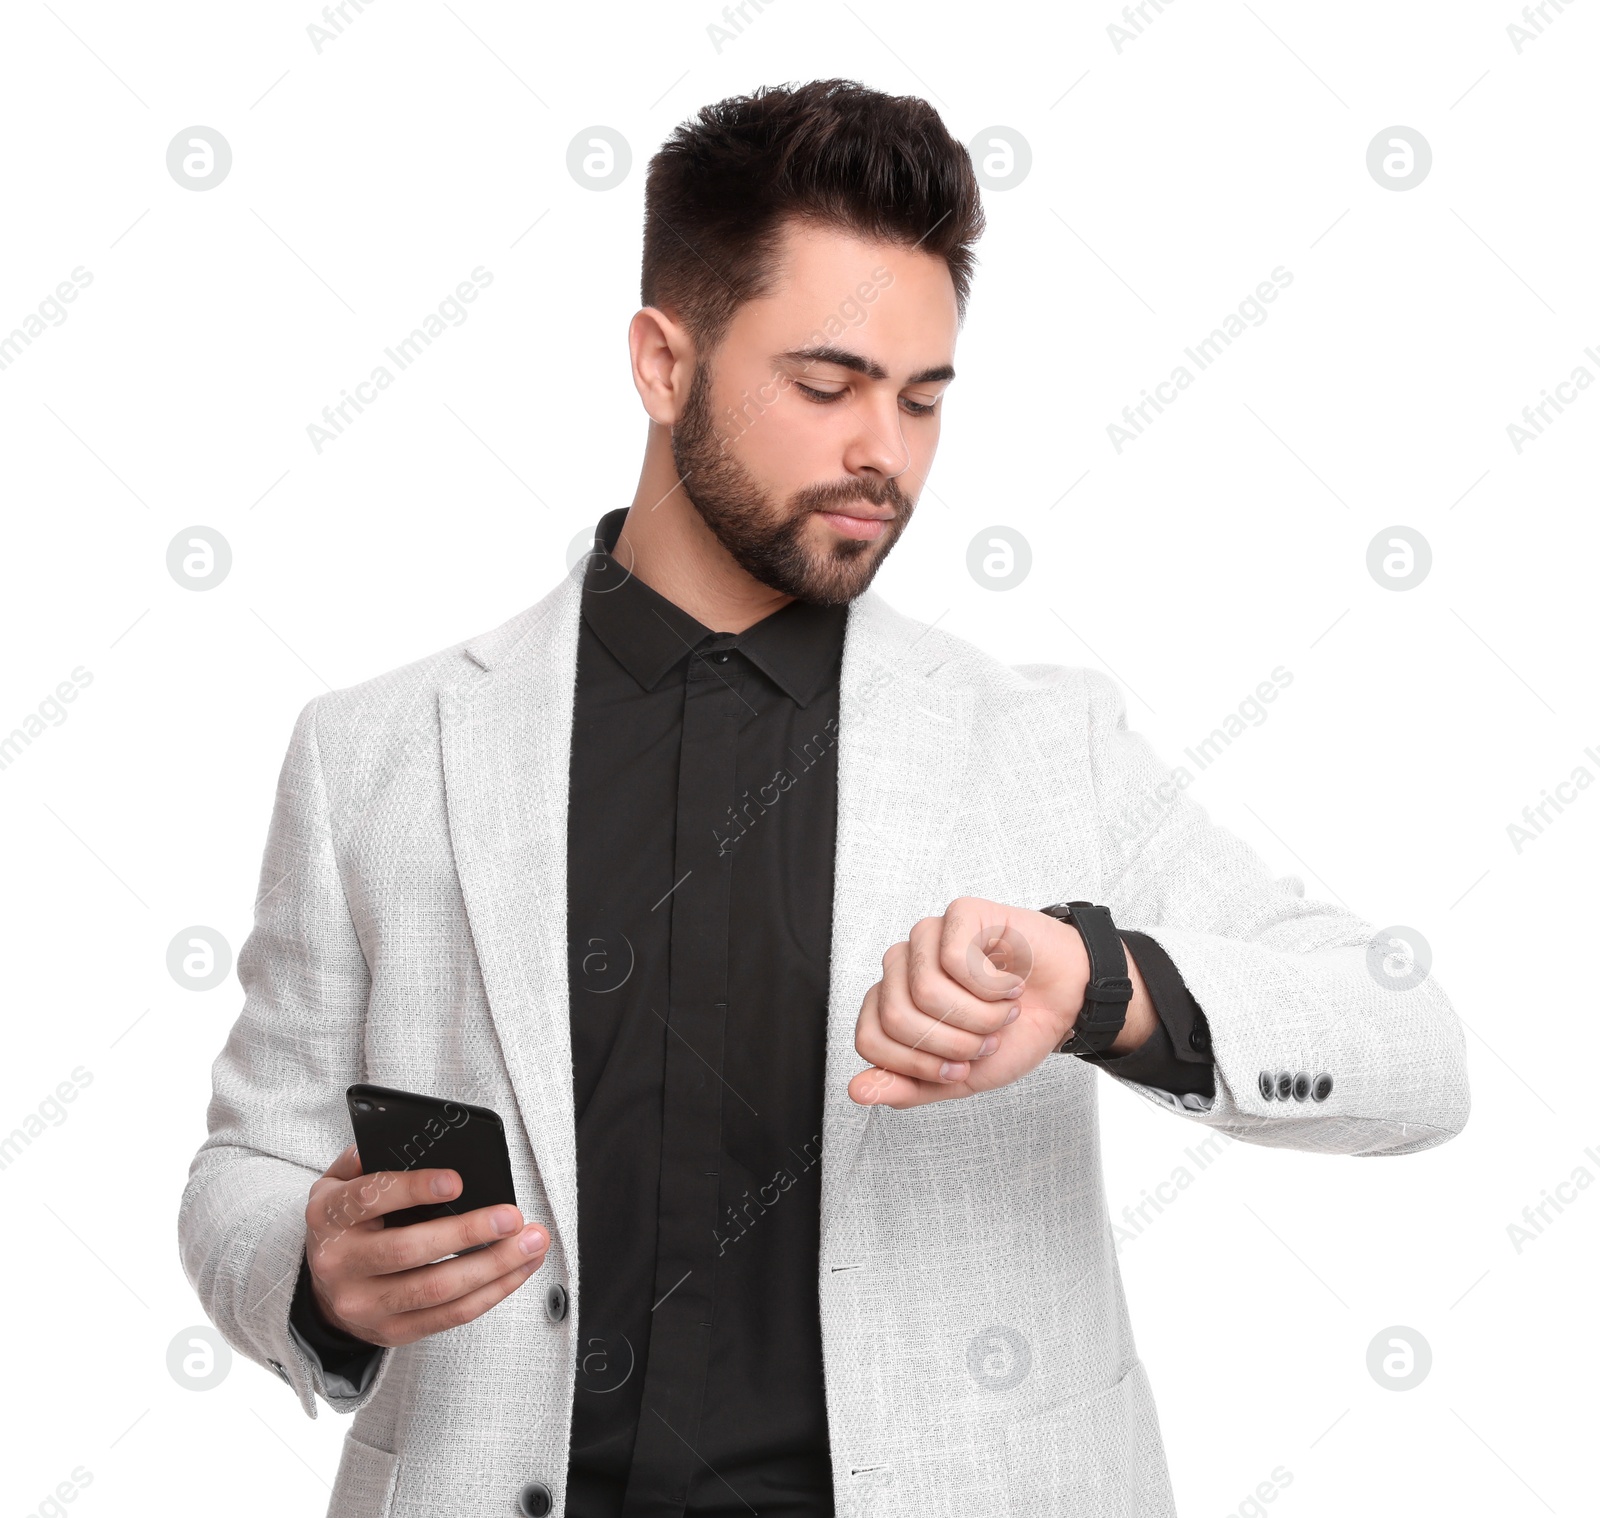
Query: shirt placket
(665, 1458)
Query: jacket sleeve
(1315, 1044)
(277, 1116)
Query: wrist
(1140, 1021)
(1102, 985)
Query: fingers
(901, 1036)
(886, 1088)
(875, 1045)
(463, 1309)
(364, 1197)
(447, 1281)
(383, 1251)
(930, 987)
(400, 1306)
(976, 945)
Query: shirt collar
(798, 646)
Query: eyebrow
(845, 359)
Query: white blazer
(410, 930)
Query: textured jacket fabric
(410, 931)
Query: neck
(666, 543)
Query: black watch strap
(1106, 998)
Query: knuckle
(386, 1252)
(430, 1289)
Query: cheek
(791, 443)
(922, 439)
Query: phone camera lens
(363, 1106)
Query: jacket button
(1320, 1088)
(534, 1500)
(555, 1303)
(1302, 1086)
(1285, 1085)
(1265, 1082)
(1197, 1040)
(281, 1373)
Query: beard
(765, 538)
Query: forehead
(883, 299)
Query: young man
(724, 883)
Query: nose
(877, 444)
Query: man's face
(806, 437)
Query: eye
(821, 397)
(917, 408)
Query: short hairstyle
(724, 186)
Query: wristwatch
(1106, 998)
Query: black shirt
(701, 824)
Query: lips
(861, 525)
(861, 513)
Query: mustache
(845, 492)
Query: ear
(663, 357)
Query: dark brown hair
(832, 152)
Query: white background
(1167, 180)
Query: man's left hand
(974, 1000)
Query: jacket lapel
(506, 731)
(904, 739)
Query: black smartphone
(404, 1130)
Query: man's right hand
(378, 1283)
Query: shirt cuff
(1177, 1055)
(348, 1363)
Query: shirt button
(555, 1303)
(534, 1500)
(720, 658)
(1197, 1040)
